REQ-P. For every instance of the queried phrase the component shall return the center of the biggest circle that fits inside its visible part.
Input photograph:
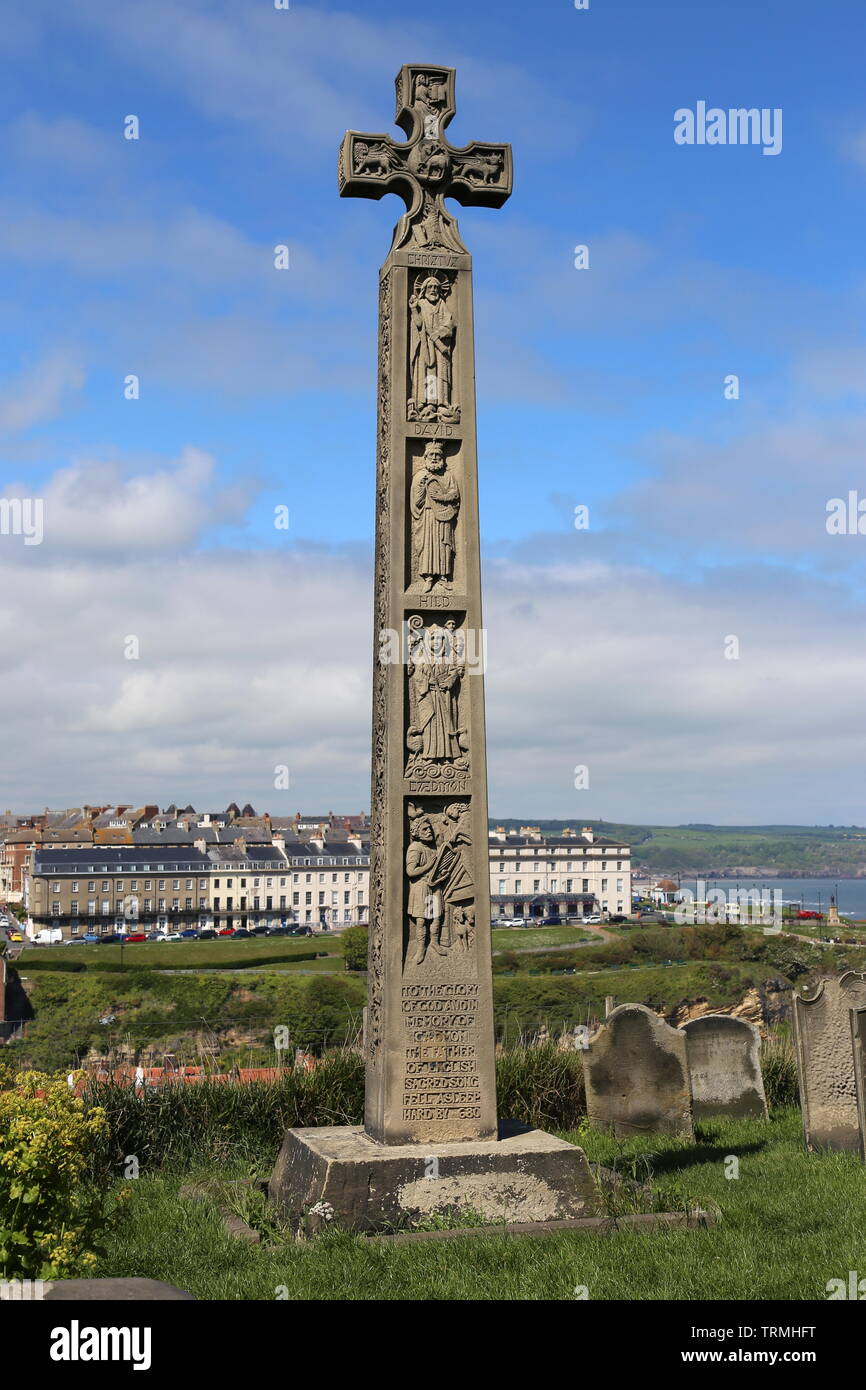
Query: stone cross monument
(430, 1140)
(430, 1058)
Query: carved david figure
(435, 502)
(425, 903)
(431, 349)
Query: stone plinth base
(525, 1175)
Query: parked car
(618, 917)
(133, 936)
(259, 931)
(300, 931)
(207, 934)
(242, 931)
(169, 936)
(77, 941)
(189, 934)
(90, 936)
(592, 920)
(154, 936)
(226, 931)
(809, 916)
(518, 922)
(278, 931)
(553, 921)
(110, 938)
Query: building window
(91, 887)
(161, 884)
(106, 908)
(188, 904)
(536, 885)
(55, 909)
(585, 888)
(517, 885)
(91, 907)
(74, 885)
(55, 887)
(604, 885)
(105, 885)
(568, 885)
(73, 907)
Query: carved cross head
(426, 169)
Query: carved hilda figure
(434, 503)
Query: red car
(810, 916)
(226, 931)
(134, 936)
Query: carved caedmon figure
(425, 905)
(434, 502)
(431, 349)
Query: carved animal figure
(372, 160)
(483, 168)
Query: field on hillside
(798, 849)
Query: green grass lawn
(522, 938)
(790, 1222)
(183, 955)
(326, 963)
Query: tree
(355, 948)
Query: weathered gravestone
(637, 1075)
(724, 1055)
(825, 1060)
(430, 1132)
(857, 1019)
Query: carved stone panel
(433, 330)
(437, 717)
(435, 495)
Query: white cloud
(101, 509)
(251, 660)
(38, 392)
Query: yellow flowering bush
(51, 1215)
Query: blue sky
(602, 387)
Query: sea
(812, 894)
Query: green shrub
(50, 1217)
(355, 942)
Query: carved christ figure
(434, 501)
(430, 350)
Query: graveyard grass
(789, 1223)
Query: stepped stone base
(524, 1175)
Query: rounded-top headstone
(636, 1075)
(725, 1067)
